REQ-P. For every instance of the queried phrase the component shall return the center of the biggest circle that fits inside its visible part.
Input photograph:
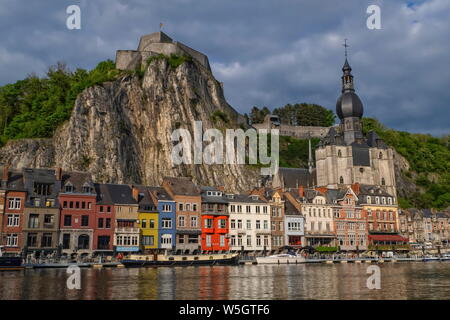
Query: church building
(345, 156)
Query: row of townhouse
(50, 211)
(360, 217)
(58, 212)
(425, 226)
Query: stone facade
(154, 44)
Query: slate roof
(294, 177)
(15, 181)
(373, 140)
(117, 194)
(39, 175)
(145, 200)
(360, 154)
(244, 198)
(182, 186)
(290, 209)
(160, 193)
(77, 179)
(366, 190)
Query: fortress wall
(300, 132)
(200, 57)
(128, 59)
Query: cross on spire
(345, 46)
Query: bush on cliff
(35, 106)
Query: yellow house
(147, 220)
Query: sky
(266, 52)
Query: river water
(411, 280)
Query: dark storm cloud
(268, 52)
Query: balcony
(127, 230)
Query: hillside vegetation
(429, 158)
(36, 106)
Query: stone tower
(345, 156)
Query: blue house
(166, 218)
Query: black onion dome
(349, 105)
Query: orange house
(214, 220)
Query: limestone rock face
(121, 131)
(405, 186)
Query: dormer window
(255, 197)
(68, 188)
(377, 200)
(383, 200)
(368, 200)
(86, 188)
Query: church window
(339, 153)
(380, 156)
(383, 182)
(341, 180)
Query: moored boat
(431, 258)
(136, 260)
(284, 258)
(10, 263)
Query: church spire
(310, 158)
(347, 77)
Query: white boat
(431, 258)
(284, 258)
(445, 257)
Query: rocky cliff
(121, 131)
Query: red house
(214, 220)
(77, 218)
(12, 197)
(104, 219)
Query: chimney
(58, 173)
(301, 191)
(135, 193)
(5, 175)
(356, 188)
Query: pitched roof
(160, 193)
(182, 186)
(77, 179)
(294, 177)
(15, 181)
(117, 194)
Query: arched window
(377, 200)
(389, 200)
(383, 200)
(339, 153)
(368, 200)
(341, 180)
(383, 182)
(83, 241)
(380, 156)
